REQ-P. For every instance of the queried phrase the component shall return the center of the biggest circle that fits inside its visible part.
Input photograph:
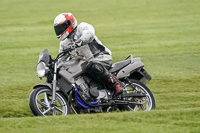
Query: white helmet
(64, 24)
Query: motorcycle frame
(124, 72)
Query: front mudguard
(50, 86)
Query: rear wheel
(137, 87)
(40, 103)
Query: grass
(164, 33)
(175, 121)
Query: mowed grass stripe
(165, 34)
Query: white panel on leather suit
(86, 33)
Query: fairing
(44, 57)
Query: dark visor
(59, 29)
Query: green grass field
(164, 33)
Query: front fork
(54, 85)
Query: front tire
(137, 86)
(40, 103)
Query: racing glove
(73, 45)
(78, 43)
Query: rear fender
(132, 67)
(141, 75)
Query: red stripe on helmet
(71, 19)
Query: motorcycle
(70, 89)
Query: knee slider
(95, 67)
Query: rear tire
(40, 103)
(138, 86)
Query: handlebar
(66, 51)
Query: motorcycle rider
(71, 36)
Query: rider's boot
(98, 70)
(116, 84)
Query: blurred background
(164, 33)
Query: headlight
(41, 69)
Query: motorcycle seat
(119, 65)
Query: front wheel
(40, 103)
(134, 87)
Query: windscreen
(44, 56)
